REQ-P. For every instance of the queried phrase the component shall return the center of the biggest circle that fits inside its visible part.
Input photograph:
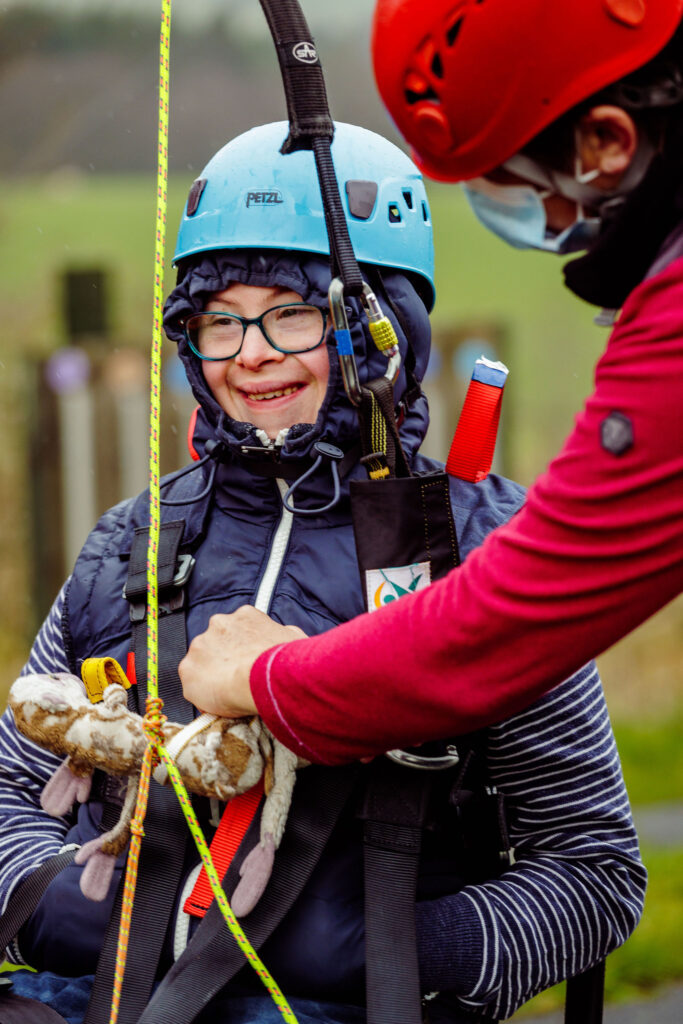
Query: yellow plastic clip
(98, 673)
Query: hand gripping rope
(154, 717)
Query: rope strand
(154, 718)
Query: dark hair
(652, 94)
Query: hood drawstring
(214, 450)
(323, 450)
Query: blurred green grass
(651, 755)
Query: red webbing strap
(474, 441)
(237, 818)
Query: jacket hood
(309, 276)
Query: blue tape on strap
(343, 340)
(486, 373)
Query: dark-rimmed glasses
(293, 328)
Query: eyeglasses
(295, 327)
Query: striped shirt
(574, 893)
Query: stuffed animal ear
(98, 871)
(254, 877)
(63, 790)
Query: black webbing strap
(311, 126)
(28, 895)
(170, 536)
(342, 256)
(16, 1009)
(302, 75)
(394, 810)
(164, 846)
(585, 996)
(383, 453)
(213, 957)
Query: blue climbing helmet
(250, 196)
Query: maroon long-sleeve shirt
(596, 549)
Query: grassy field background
(72, 220)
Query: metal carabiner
(382, 332)
(342, 337)
(425, 764)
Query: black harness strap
(166, 838)
(213, 958)
(383, 453)
(395, 812)
(585, 996)
(28, 895)
(302, 75)
(311, 126)
(16, 1009)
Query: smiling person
(278, 377)
(565, 125)
(273, 529)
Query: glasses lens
(215, 335)
(295, 328)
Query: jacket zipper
(278, 549)
(264, 596)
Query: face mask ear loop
(582, 178)
(324, 451)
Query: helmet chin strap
(576, 187)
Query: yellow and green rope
(154, 718)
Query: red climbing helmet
(470, 82)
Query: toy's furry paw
(254, 875)
(98, 871)
(63, 790)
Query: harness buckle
(176, 592)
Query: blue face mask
(517, 215)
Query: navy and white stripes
(28, 836)
(575, 892)
(577, 887)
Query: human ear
(607, 139)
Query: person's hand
(215, 671)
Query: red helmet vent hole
(453, 32)
(417, 88)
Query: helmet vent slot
(362, 196)
(394, 214)
(408, 197)
(425, 212)
(195, 195)
(426, 93)
(453, 32)
(437, 66)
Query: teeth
(274, 394)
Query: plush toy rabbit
(216, 757)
